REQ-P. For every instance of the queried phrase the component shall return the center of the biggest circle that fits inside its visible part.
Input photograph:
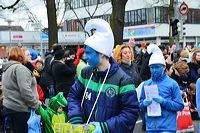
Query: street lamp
(9, 21)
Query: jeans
(51, 91)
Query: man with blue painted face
(169, 97)
(103, 94)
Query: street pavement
(138, 126)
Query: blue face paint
(91, 56)
(156, 71)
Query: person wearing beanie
(103, 95)
(59, 54)
(169, 96)
(54, 113)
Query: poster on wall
(139, 31)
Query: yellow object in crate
(70, 128)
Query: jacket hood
(8, 64)
(57, 101)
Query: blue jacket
(117, 108)
(198, 95)
(169, 90)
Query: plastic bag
(184, 120)
(34, 123)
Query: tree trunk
(117, 19)
(52, 22)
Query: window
(161, 14)
(135, 17)
(132, 18)
(157, 15)
(143, 17)
(193, 16)
(126, 20)
(150, 15)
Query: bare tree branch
(95, 8)
(11, 6)
(65, 9)
(77, 17)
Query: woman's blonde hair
(118, 53)
(194, 57)
(181, 67)
(184, 54)
(16, 54)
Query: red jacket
(40, 93)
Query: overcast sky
(20, 17)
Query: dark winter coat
(193, 73)
(117, 108)
(145, 70)
(132, 71)
(64, 75)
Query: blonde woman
(125, 58)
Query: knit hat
(59, 54)
(157, 55)
(102, 40)
(33, 54)
(57, 101)
(79, 54)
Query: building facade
(144, 20)
(37, 40)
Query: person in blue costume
(104, 95)
(169, 96)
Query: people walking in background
(103, 94)
(20, 91)
(169, 96)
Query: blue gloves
(147, 102)
(97, 127)
(159, 100)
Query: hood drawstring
(97, 95)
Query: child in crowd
(191, 95)
(54, 113)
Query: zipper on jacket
(95, 114)
(96, 108)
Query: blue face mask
(156, 71)
(91, 56)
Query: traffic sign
(183, 9)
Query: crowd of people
(100, 85)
